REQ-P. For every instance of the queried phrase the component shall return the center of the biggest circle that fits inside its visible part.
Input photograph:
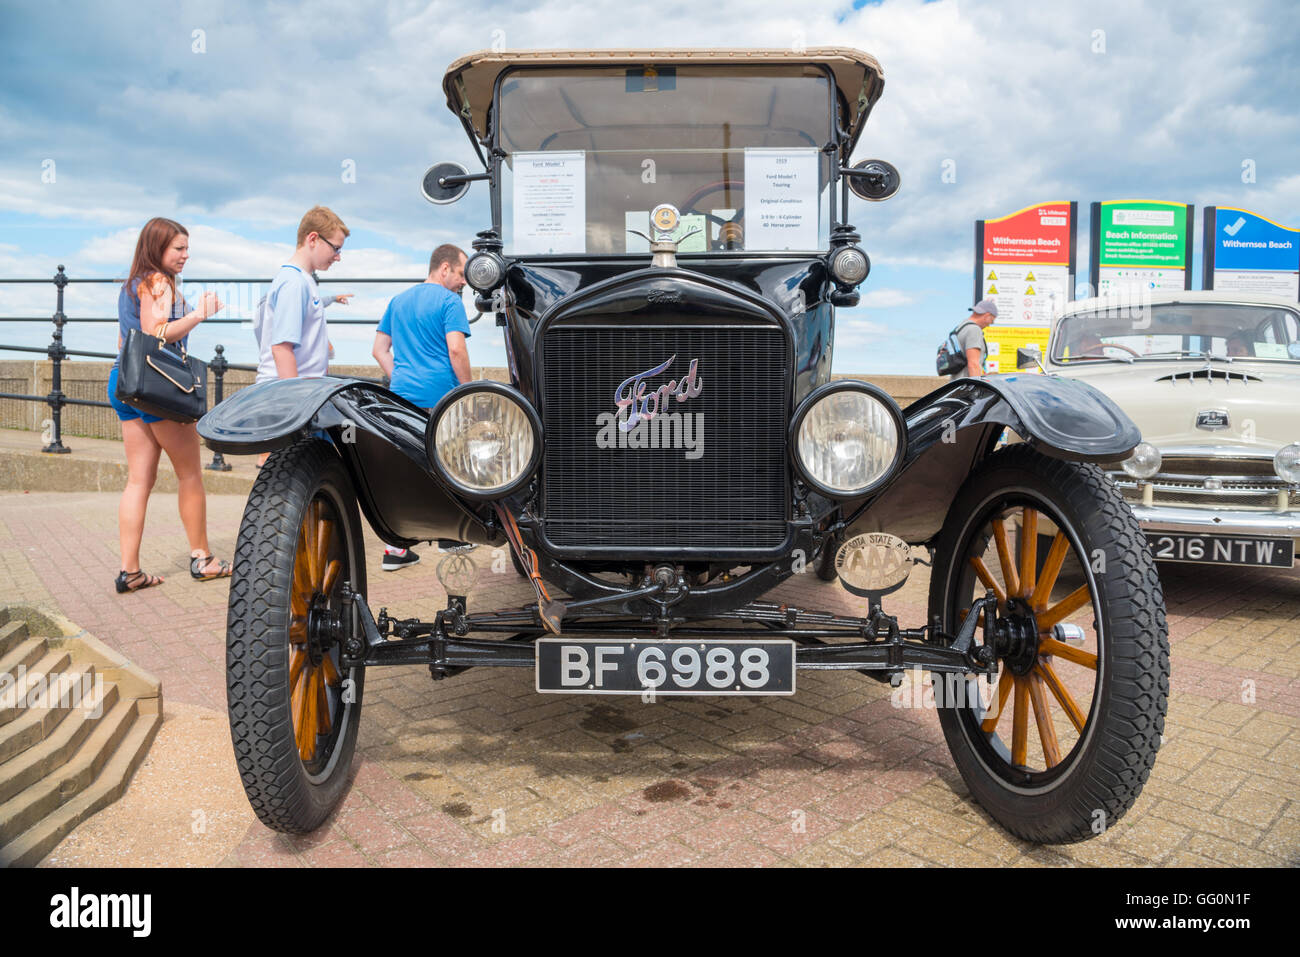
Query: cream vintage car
(1212, 380)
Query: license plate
(606, 666)
(1222, 549)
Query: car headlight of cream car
(1144, 463)
(1286, 463)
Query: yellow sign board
(1003, 343)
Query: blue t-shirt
(128, 314)
(418, 321)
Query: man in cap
(970, 337)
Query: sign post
(1244, 252)
(1141, 245)
(1025, 262)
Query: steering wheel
(1116, 345)
(1110, 345)
(736, 230)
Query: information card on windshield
(550, 203)
(781, 199)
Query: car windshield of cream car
(1179, 331)
(590, 152)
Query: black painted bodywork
(381, 436)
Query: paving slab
(479, 770)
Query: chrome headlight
(1287, 463)
(484, 271)
(1144, 462)
(847, 439)
(849, 265)
(484, 440)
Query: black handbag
(160, 381)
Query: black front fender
(271, 415)
(378, 434)
(953, 428)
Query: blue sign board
(1248, 252)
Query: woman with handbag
(151, 304)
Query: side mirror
(1027, 357)
(444, 183)
(873, 180)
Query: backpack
(951, 357)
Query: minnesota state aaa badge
(873, 564)
(457, 572)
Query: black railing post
(57, 353)
(218, 369)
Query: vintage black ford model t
(669, 239)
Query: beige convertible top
(469, 81)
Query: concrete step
(25, 769)
(14, 697)
(48, 792)
(37, 841)
(10, 634)
(68, 689)
(25, 654)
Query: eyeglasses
(338, 250)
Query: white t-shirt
(295, 313)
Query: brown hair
(147, 262)
(446, 253)
(319, 220)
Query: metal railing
(57, 352)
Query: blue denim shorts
(125, 412)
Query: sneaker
(451, 545)
(393, 562)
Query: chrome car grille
(732, 497)
(1230, 483)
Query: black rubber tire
(1101, 777)
(284, 793)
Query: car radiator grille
(1243, 484)
(731, 497)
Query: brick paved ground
(480, 770)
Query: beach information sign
(1025, 262)
(1141, 245)
(1245, 252)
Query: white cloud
(886, 298)
(853, 333)
(1011, 99)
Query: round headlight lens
(848, 441)
(484, 271)
(1144, 462)
(1287, 463)
(484, 442)
(849, 266)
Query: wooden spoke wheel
(316, 687)
(1058, 746)
(294, 708)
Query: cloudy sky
(236, 117)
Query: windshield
(738, 150)
(1179, 330)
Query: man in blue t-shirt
(421, 347)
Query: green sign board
(1143, 234)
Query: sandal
(134, 581)
(199, 562)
